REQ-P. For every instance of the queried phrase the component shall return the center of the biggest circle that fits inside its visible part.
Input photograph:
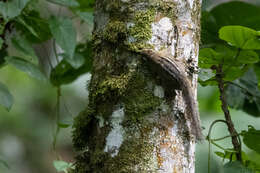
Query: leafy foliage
(12, 8)
(6, 97)
(34, 30)
(64, 33)
(230, 59)
(249, 138)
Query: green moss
(141, 31)
(139, 100)
(113, 86)
(114, 31)
(140, 103)
(82, 127)
(168, 9)
(134, 151)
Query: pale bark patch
(115, 137)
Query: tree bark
(136, 119)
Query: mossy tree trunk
(135, 120)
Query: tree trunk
(136, 119)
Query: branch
(224, 106)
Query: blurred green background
(27, 131)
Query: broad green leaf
(246, 92)
(6, 99)
(12, 8)
(1, 43)
(226, 55)
(64, 73)
(77, 61)
(209, 57)
(212, 81)
(247, 57)
(25, 47)
(238, 94)
(68, 3)
(209, 29)
(26, 67)
(236, 167)
(206, 74)
(230, 13)
(86, 5)
(237, 13)
(64, 33)
(233, 73)
(239, 36)
(234, 57)
(86, 16)
(62, 166)
(30, 28)
(249, 138)
(33, 27)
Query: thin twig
(234, 135)
(57, 118)
(209, 139)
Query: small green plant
(229, 59)
(22, 27)
(62, 166)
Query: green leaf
(246, 92)
(63, 125)
(226, 55)
(209, 29)
(241, 37)
(64, 33)
(248, 57)
(231, 13)
(238, 94)
(62, 166)
(12, 8)
(209, 57)
(64, 73)
(236, 13)
(26, 67)
(77, 61)
(33, 27)
(86, 5)
(206, 74)
(236, 167)
(249, 138)
(212, 81)
(30, 28)
(234, 57)
(24, 46)
(6, 99)
(232, 73)
(68, 3)
(86, 16)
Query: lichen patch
(162, 32)
(115, 137)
